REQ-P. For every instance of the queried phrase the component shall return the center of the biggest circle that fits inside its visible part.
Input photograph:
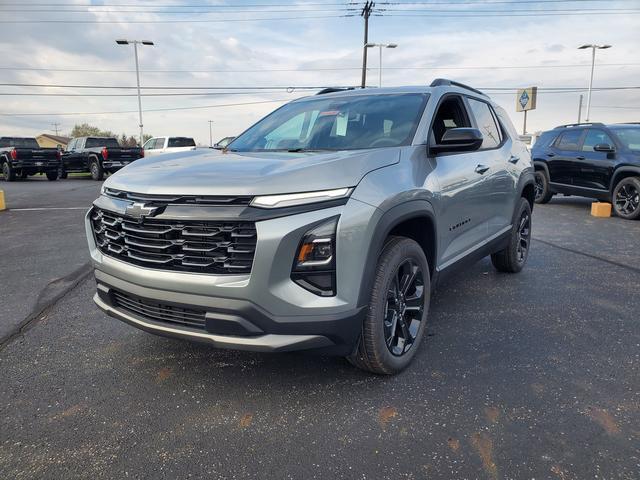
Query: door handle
(579, 157)
(481, 169)
(514, 159)
(551, 154)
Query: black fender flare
(618, 172)
(540, 165)
(390, 219)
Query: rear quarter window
(181, 142)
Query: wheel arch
(414, 219)
(623, 172)
(540, 165)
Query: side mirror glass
(459, 140)
(604, 147)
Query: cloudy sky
(265, 46)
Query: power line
(122, 21)
(259, 70)
(219, 105)
(289, 88)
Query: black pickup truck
(97, 155)
(21, 157)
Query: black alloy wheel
(542, 191)
(524, 237)
(404, 308)
(626, 198)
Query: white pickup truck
(158, 145)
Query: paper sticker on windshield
(329, 113)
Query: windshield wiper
(302, 149)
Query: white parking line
(46, 208)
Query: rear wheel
(397, 314)
(542, 191)
(97, 173)
(626, 198)
(513, 258)
(8, 172)
(52, 175)
(62, 173)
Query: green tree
(86, 130)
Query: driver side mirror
(458, 140)
(604, 147)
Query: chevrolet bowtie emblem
(140, 210)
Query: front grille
(179, 199)
(214, 247)
(160, 312)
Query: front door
(594, 169)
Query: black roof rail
(443, 82)
(598, 124)
(334, 89)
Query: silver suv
(325, 226)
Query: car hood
(214, 172)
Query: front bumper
(265, 310)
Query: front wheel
(8, 172)
(513, 258)
(543, 192)
(626, 198)
(52, 176)
(397, 313)
(97, 173)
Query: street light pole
(380, 46)
(135, 53)
(210, 136)
(593, 64)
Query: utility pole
(210, 136)
(55, 127)
(580, 109)
(366, 12)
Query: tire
(8, 172)
(23, 174)
(97, 172)
(514, 257)
(542, 189)
(626, 198)
(62, 173)
(396, 312)
(52, 176)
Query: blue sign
(524, 99)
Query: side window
(451, 114)
(148, 145)
(569, 140)
(593, 138)
(486, 123)
(159, 143)
(72, 145)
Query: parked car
(591, 160)
(97, 155)
(322, 227)
(22, 156)
(158, 145)
(222, 144)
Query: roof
(56, 138)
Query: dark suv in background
(591, 160)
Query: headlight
(290, 199)
(314, 266)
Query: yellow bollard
(3, 206)
(601, 209)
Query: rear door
(594, 169)
(562, 155)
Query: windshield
(181, 142)
(629, 136)
(19, 142)
(101, 142)
(339, 123)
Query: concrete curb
(49, 296)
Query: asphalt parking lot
(533, 375)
